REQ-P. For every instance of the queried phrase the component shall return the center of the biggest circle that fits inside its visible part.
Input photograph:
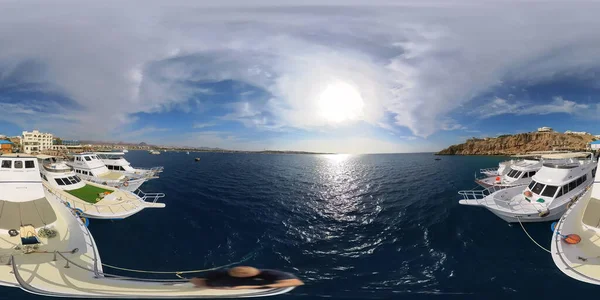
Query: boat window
(511, 173)
(18, 164)
(531, 173)
(29, 164)
(584, 177)
(109, 167)
(579, 181)
(72, 180)
(526, 175)
(538, 188)
(77, 178)
(518, 174)
(572, 185)
(565, 188)
(59, 181)
(549, 191)
(78, 158)
(560, 193)
(6, 164)
(121, 168)
(532, 184)
(87, 158)
(594, 172)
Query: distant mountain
(520, 143)
(142, 144)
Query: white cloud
(501, 106)
(198, 125)
(415, 61)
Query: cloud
(417, 62)
(198, 125)
(501, 106)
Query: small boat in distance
(197, 159)
(154, 152)
(562, 179)
(188, 153)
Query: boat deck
(580, 261)
(117, 204)
(111, 176)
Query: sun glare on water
(340, 102)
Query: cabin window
(584, 178)
(572, 185)
(594, 172)
(87, 158)
(77, 179)
(78, 158)
(109, 167)
(532, 184)
(511, 173)
(59, 181)
(526, 175)
(531, 173)
(72, 180)
(565, 188)
(18, 164)
(29, 164)
(6, 164)
(121, 168)
(579, 181)
(537, 189)
(86, 173)
(549, 191)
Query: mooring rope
(177, 273)
(527, 233)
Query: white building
(545, 129)
(576, 132)
(36, 141)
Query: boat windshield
(514, 174)
(541, 189)
(109, 156)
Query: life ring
(85, 221)
(572, 239)
(125, 183)
(13, 232)
(528, 194)
(78, 211)
(544, 213)
(498, 179)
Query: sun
(340, 102)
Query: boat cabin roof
(36, 212)
(526, 165)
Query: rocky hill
(520, 143)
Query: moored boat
(557, 185)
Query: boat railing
(488, 170)
(149, 197)
(480, 194)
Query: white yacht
(517, 173)
(47, 250)
(93, 200)
(575, 244)
(89, 167)
(154, 152)
(501, 170)
(115, 161)
(561, 180)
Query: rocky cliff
(520, 143)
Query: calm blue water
(352, 227)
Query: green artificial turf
(88, 193)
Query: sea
(385, 226)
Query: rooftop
(5, 142)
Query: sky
(332, 76)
